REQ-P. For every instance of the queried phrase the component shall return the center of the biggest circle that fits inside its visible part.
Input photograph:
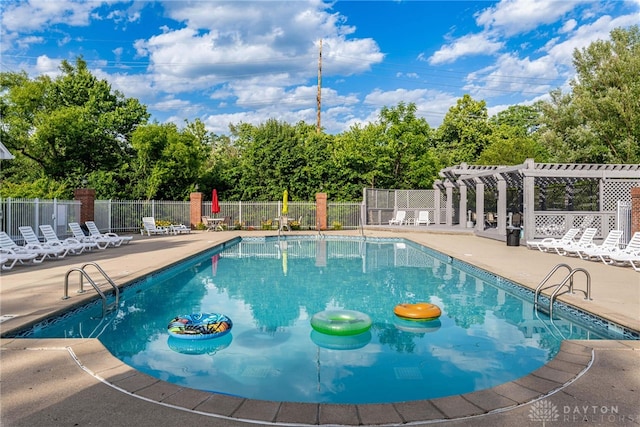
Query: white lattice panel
(615, 190)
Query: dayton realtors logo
(545, 411)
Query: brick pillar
(195, 208)
(635, 209)
(87, 197)
(321, 211)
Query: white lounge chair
(399, 218)
(179, 229)
(423, 218)
(115, 239)
(545, 243)
(150, 227)
(609, 244)
(633, 258)
(585, 241)
(32, 241)
(629, 254)
(9, 258)
(7, 243)
(100, 243)
(70, 244)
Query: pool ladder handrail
(85, 275)
(559, 286)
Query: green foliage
(42, 188)
(74, 131)
(70, 126)
(464, 132)
(599, 121)
(168, 162)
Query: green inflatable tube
(340, 322)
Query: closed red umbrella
(215, 206)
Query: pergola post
(528, 206)
(502, 205)
(436, 205)
(449, 203)
(479, 205)
(462, 214)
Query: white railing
(125, 216)
(15, 213)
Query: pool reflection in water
(270, 288)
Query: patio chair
(70, 244)
(283, 223)
(609, 244)
(9, 258)
(115, 239)
(7, 243)
(490, 221)
(150, 227)
(544, 244)
(214, 224)
(179, 229)
(399, 218)
(633, 258)
(423, 218)
(31, 239)
(586, 239)
(628, 254)
(81, 237)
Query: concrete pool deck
(51, 382)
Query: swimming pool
(488, 333)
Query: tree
(168, 161)
(464, 132)
(564, 132)
(70, 126)
(512, 139)
(606, 91)
(406, 140)
(599, 121)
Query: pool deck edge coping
(571, 362)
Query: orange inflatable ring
(419, 311)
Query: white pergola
(4, 153)
(614, 183)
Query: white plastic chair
(548, 242)
(149, 224)
(71, 244)
(399, 218)
(115, 239)
(423, 218)
(33, 242)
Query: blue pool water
(488, 333)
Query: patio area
(77, 382)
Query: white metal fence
(125, 216)
(35, 212)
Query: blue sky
(249, 61)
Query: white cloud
(47, 66)
(562, 53)
(39, 14)
(568, 25)
(471, 44)
(511, 17)
(510, 74)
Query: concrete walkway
(77, 382)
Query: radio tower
(319, 96)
